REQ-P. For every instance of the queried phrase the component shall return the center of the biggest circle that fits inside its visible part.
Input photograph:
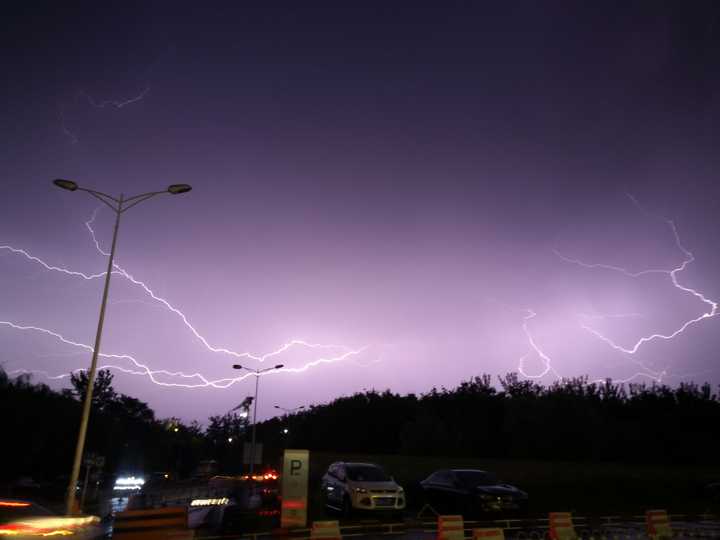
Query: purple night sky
(403, 183)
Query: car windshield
(476, 478)
(14, 510)
(366, 473)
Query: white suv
(361, 486)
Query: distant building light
(124, 483)
(210, 502)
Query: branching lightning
(116, 103)
(534, 349)
(632, 349)
(153, 374)
(672, 273)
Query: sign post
(296, 464)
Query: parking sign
(294, 488)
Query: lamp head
(65, 184)
(177, 189)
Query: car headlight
(486, 497)
(360, 490)
(400, 491)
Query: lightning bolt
(534, 349)
(345, 353)
(672, 273)
(145, 370)
(101, 104)
(118, 104)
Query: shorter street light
(257, 373)
(291, 410)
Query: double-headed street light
(117, 205)
(257, 373)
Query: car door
(334, 486)
(436, 490)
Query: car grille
(384, 501)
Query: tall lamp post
(118, 206)
(257, 373)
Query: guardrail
(614, 527)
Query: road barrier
(560, 526)
(450, 528)
(155, 524)
(614, 527)
(658, 524)
(488, 534)
(325, 530)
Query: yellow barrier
(450, 528)
(153, 524)
(488, 534)
(325, 530)
(658, 524)
(561, 526)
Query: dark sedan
(471, 493)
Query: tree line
(516, 418)
(571, 419)
(40, 431)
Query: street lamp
(257, 373)
(291, 410)
(118, 206)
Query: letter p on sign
(294, 488)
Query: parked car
(349, 487)
(25, 519)
(471, 492)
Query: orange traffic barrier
(325, 530)
(451, 528)
(561, 526)
(152, 524)
(488, 534)
(657, 523)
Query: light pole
(257, 373)
(291, 410)
(117, 205)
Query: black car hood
(499, 490)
